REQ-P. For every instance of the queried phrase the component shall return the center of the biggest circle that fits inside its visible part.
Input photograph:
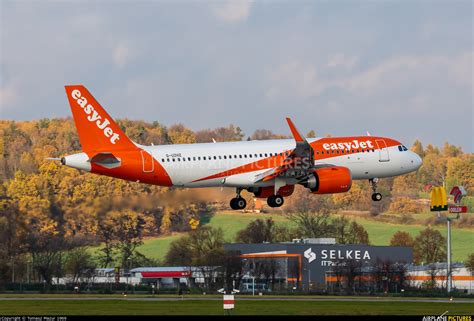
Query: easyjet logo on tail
(93, 116)
(355, 144)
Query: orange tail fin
(97, 130)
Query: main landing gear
(238, 202)
(376, 197)
(275, 200)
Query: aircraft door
(148, 163)
(383, 150)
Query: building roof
(169, 269)
(437, 266)
(160, 269)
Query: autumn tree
(79, 264)
(179, 134)
(357, 198)
(402, 238)
(303, 200)
(347, 232)
(202, 248)
(220, 134)
(260, 231)
(263, 134)
(417, 147)
(405, 205)
(121, 233)
(429, 247)
(311, 134)
(312, 225)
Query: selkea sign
(317, 259)
(328, 257)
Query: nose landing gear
(238, 203)
(376, 197)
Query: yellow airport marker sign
(439, 201)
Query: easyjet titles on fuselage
(355, 144)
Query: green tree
(312, 225)
(79, 264)
(469, 263)
(429, 247)
(260, 231)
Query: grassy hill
(379, 231)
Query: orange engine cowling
(264, 192)
(330, 180)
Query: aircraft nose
(416, 160)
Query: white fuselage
(187, 164)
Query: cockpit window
(402, 148)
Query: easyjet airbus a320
(267, 168)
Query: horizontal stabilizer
(107, 160)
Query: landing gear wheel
(275, 200)
(233, 204)
(376, 197)
(238, 203)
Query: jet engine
(329, 180)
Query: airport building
(313, 263)
(303, 264)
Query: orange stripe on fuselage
(318, 146)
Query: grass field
(200, 307)
(379, 232)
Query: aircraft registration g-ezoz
(267, 168)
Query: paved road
(243, 299)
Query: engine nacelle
(330, 180)
(264, 192)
